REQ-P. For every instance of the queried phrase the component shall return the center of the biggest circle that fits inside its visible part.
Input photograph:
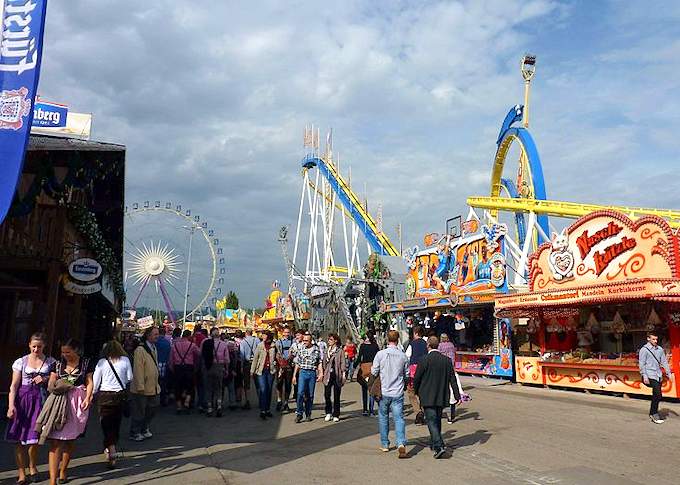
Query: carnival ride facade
(587, 293)
(166, 268)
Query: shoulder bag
(124, 398)
(663, 370)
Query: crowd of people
(207, 372)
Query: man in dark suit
(433, 382)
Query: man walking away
(308, 371)
(215, 362)
(391, 364)
(652, 359)
(417, 349)
(247, 348)
(145, 388)
(433, 380)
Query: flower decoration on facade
(87, 226)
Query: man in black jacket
(432, 383)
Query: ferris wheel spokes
(168, 267)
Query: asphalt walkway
(508, 434)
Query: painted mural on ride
(465, 272)
(474, 263)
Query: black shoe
(439, 453)
(285, 408)
(263, 416)
(232, 408)
(246, 405)
(218, 414)
(298, 418)
(308, 419)
(364, 413)
(269, 414)
(279, 405)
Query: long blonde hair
(113, 350)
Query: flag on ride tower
(22, 25)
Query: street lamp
(528, 68)
(192, 230)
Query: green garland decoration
(86, 224)
(80, 172)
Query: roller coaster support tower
(326, 197)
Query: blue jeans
(264, 390)
(350, 369)
(395, 405)
(306, 381)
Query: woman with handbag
(367, 352)
(334, 375)
(264, 368)
(26, 397)
(112, 376)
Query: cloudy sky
(211, 99)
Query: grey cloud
(211, 99)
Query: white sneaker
(336, 420)
(328, 418)
(657, 420)
(137, 437)
(147, 434)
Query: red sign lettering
(603, 258)
(585, 242)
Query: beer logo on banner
(83, 277)
(561, 258)
(14, 107)
(85, 270)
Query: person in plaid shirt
(308, 372)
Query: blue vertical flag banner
(21, 36)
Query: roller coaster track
(378, 241)
(567, 209)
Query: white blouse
(104, 378)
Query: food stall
(278, 312)
(452, 284)
(594, 292)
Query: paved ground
(508, 434)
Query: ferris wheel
(174, 263)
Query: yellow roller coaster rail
(367, 218)
(567, 209)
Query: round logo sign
(85, 270)
(497, 262)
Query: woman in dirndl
(27, 393)
(78, 371)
